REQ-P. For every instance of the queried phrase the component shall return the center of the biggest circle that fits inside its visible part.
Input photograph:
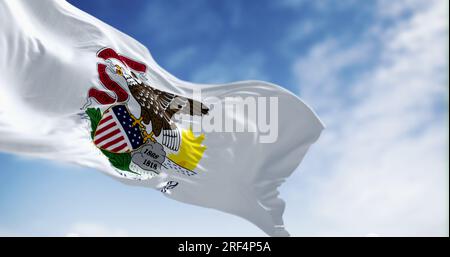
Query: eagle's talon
(137, 121)
(148, 136)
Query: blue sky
(375, 71)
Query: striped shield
(116, 132)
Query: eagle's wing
(158, 107)
(151, 110)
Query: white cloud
(181, 57)
(297, 33)
(393, 9)
(320, 71)
(381, 166)
(318, 5)
(230, 64)
(94, 230)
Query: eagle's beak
(119, 70)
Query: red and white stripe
(110, 135)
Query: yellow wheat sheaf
(191, 150)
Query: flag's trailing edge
(74, 89)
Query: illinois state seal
(146, 141)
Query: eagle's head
(131, 78)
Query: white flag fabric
(74, 89)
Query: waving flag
(96, 97)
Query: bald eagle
(159, 107)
